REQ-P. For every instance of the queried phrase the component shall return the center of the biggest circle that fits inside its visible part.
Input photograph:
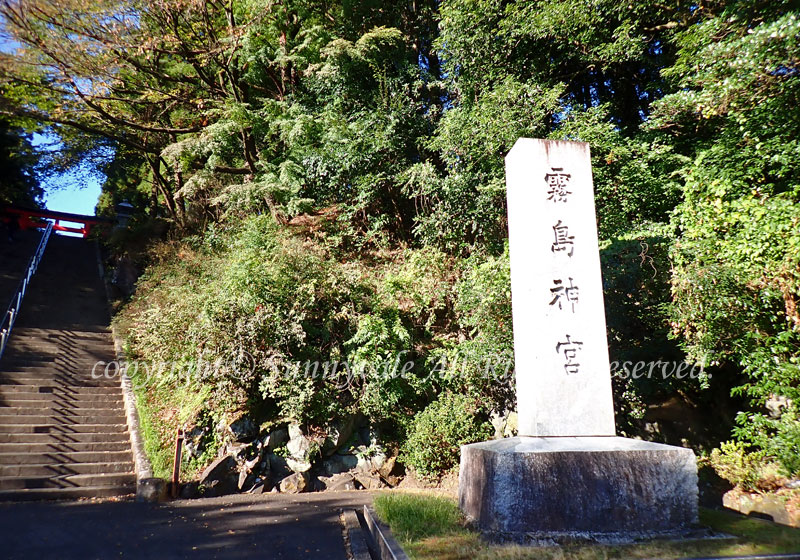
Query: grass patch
(152, 430)
(162, 409)
(414, 517)
(431, 527)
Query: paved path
(273, 526)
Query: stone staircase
(63, 432)
(14, 259)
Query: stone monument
(566, 474)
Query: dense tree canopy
(18, 164)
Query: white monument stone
(560, 347)
(567, 474)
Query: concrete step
(84, 363)
(42, 377)
(59, 356)
(69, 380)
(48, 400)
(52, 389)
(11, 364)
(29, 335)
(54, 367)
(8, 386)
(66, 481)
(56, 458)
(13, 355)
(59, 359)
(67, 438)
(65, 420)
(62, 429)
(10, 471)
(95, 329)
(26, 340)
(42, 449)
(38, 494)
(84, 409)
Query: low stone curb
(387, 546)
(356, 539)
(148, 488)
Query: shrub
(735, 464)
(438, 432)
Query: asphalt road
(278, 526)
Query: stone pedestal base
(579, 486)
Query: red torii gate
(30, 218)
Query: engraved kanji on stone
(570, 351)
(557, 184)
(564, 242)
(564, 294)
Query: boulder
(370, 458)
(368, 481)
(276, 438)
(220, 478)
(390, 468)
(238, 451)
(339, 482)
(339, 433)
(260, 487)
(243, 429)
(278, 466)
(246, 480)
(193, 442)
(295, 432)
(300, 450)
(294, 483)
(339, 463)
(190, 490)
(368, 436)
(377, 460)
(151, 490)
(298, 465)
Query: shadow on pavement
(243, 526)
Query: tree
(18, 164)
(736, 279)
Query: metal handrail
(16, 301)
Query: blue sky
(71, 192)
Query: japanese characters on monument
(560, 346)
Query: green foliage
(18, 167)
(420, 284)
(251, 311)
(437, 433)
(335, 173)
(736, 261)
(735, 464)
(480, 363)
(635, 178)
(263, 318)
